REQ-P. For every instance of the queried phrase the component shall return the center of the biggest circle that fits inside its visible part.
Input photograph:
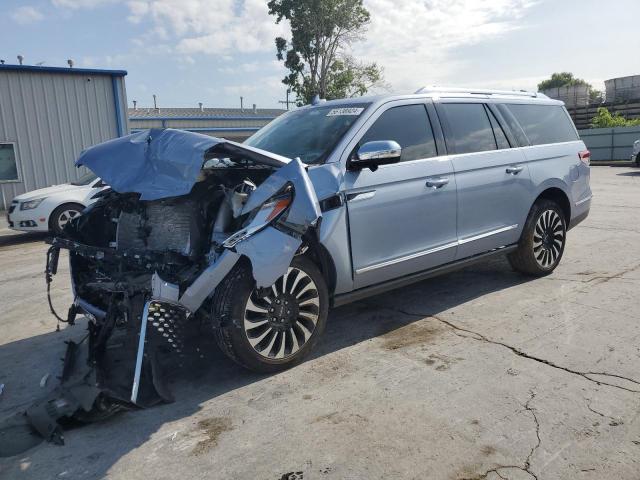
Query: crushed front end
(146, 258)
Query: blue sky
(213, 51)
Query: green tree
(317, 56)
(604, 119)
(567, 79)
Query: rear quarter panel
(558, 165)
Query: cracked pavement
(480, 374)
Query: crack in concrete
(600, 279)
(530, 409)
(526, 467)
(482, 338)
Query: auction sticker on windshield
(345, 111)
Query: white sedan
(51, 208)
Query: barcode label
(345, 111)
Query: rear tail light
(585, 156)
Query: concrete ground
(478, 374)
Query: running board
(378, 288)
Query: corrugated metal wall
(232, 129)
(610, 143)
(52, 117)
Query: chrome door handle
(514, 170)
(437, 182)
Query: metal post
(141, 341)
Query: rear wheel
(63, 215)
(542, 242)
(638, 160)
(271, 329)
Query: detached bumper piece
(121, 364)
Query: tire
(62, 215)
(244, 326)
(542, 241)
(638, 160)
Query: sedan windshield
(309, 133)
(85, 179)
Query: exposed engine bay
(146, 258)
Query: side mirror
(372, 154)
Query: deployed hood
(161, 163)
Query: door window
(409, 126)
(501, 138)
(470, 127)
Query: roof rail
(481, 91)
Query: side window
(470, 127)
(409, 126)
(544, 123)
(501, 138)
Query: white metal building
(48, 115)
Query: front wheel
(542, 242)
(271, 329)
(63, 215)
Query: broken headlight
(270, 211)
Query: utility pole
(287, 100)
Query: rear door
(402, 217)
(493, 182)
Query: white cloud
(414, 40)
(251, 67)
(77, 4)
(216, 27)
(26, 15)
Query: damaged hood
(162, 163)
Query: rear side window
(470, 127)
(544, 123)
(409, 126)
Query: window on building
(409, 126)
(470, 127)
(8, 163)
(544, 123)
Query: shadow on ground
(212, 375)
(629, 174)
(16, 238)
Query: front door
(402, 217)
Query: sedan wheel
(65, 217)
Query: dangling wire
(50, 270)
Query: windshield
(309, 133)
(85, 179)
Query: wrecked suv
(327, 204)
